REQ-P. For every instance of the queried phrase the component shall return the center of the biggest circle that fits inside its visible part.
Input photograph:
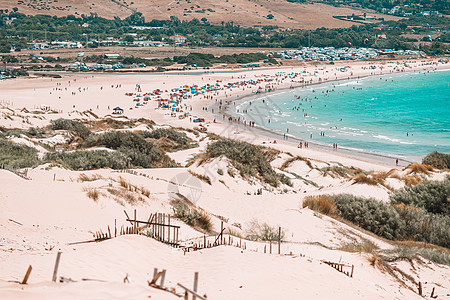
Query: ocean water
(404, 114)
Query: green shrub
(74, 127)
(220, 171)
(437, 160)
(440, 256)
(370, 214)
(140, 152)
(432, 196)
(285, 180)
(394, 222)
(17, 156)
(248, 159)
(424, 227)
(89, 160)
(192, 216)
(179, 138)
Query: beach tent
(117, 110)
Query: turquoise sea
(400, 114)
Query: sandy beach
(49, 211)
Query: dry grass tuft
(132, 188)
(190, 214)
(127, 196)
(290, 161)
(371, 179)
(193, 216)
(204, 178)
(83, 177)
(419, 169)
(234, 232)
(412, 180)
(92, 193)
(145, 192)
(321, 203)
(125, 184)
(365, 246)
(263, 232)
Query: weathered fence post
(221, 232)
(135, 223)
(25, 279)
(163, 276)
(55, 270)
(279, 240)
(420, 288)
(195, 285)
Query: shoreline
(349, 152)
(100, 94)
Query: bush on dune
(89, 160)
(432, 196)
(396, 220)
(17, 156)
(74, 127)
(179, 139)
(193, 216)
(423, 226)
(249, 159)
(370, 214)
(437, 160)
(140, 152)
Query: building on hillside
(178, 39)
(149, 44)
(66, 45)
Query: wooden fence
(343, 268)
(158, 227)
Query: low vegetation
(122, 194)
(90, 160)
(291, 160)
(419, 169)
(431, 196)
(401, 252)
(92, 193)
(134, 147)
(17, 156)
(263, 232)
(364, 246)
(83, 177)
(321, 203)
(437, 160)
(169, 139)
(204, 178)
(193, 216)
(407, 217)
(370, 179)
(248, 159)
(74, 127)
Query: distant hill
(243, 12)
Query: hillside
(246, 13)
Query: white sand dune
(53, 208)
